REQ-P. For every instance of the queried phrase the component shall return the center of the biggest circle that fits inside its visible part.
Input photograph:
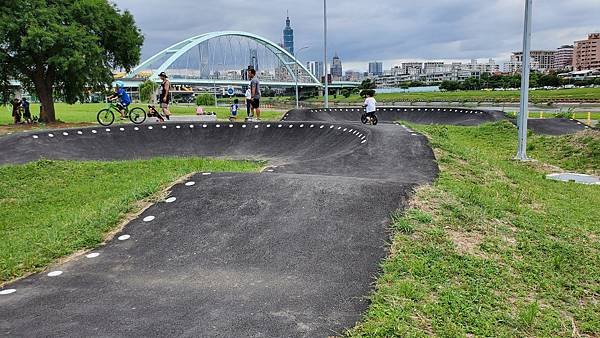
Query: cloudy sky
(391, 31)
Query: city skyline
(389, 31)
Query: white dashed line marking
(164, 127)
(35, 137)
(149, 219)
(136, 129)
(79, 133)
(206, 174)
(50, 135)
(7, 292)
(93, 255)
(94, 132)
(191, 126)
(256, 127)
(122, 129)
(171, 200)
(150, 128)
(178, 127)
(55, 273)
(107, 130)
(124, 237)
(189, 184)
(65, 134)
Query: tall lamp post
(524, 109)
(298, 74)
(215, 85)
(326, 104)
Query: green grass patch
(86, 113)
(50, 209)
(493, 249)
(579, 152)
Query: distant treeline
(536, 80)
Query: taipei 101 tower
(288, 36)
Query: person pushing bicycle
(124, 98)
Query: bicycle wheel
(106, 117)
(374, 120)
(137, 115)
(364, 119)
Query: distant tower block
(288, 36)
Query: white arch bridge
(222, 58)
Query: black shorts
(256, 103)
(371, 114)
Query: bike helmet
(120, 84)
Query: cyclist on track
(124, 98)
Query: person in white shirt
(370, 104)
(249, 102)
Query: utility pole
(326, 104)
(524, 110)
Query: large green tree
(64, 48)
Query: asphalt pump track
(292, 251)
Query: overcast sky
(360, 31)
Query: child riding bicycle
(124, 98)
(370, 104)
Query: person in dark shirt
(16, 110)
(26, 111)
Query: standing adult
(164, 96)
(249, 102)
(26, 111)
(255, 91)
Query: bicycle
(365, 119)
(106, 116)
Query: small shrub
(205, 100)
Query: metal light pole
(524, 112)
(298, 74)
(215, 85)
(326, 104)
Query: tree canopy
(65, 48)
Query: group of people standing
(21, 111)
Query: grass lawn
(50, 209)
(86, 113)
(493, 249)
(536, 96)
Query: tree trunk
(44, 88)
(47, 113)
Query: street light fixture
(524, 109)
(298, 74)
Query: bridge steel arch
(179, 49)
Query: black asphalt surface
(289, 252)
(555, 127)
(450, 116)
(447, 116)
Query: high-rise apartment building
(315, 68)
(376, 68)
(586, 53)
(337, 71)
(541, 60)
(563, 59)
